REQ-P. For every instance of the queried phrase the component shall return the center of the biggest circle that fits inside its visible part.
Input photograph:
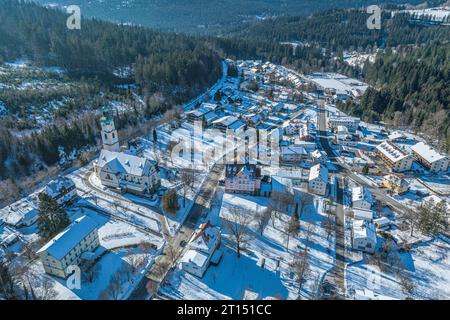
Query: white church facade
(123, 171)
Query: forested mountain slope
(206, 16)
(161, 59)
(411, 90)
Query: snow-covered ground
(270, 281)
(426, 265)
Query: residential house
(62, 190)
(395, 183)
(229, 123)
(318, 179)
(243, 178)
(202, 250)
(361, 198)
(293, 153)
(66, 248)
(206, 114)
(21, 213)
(430, 158)
(364, 237)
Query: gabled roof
(226, 121)
(55, 187)
(361, 193)
(124, 163)
(250, 170)
(64, 242)
(205, 238)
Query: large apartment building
(430, 158)
(67, 247)
(352, 123)
(393, 157)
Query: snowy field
(275, 280)
(426, 265)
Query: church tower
(109, 133)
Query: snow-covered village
(262, 179)
(224, 158)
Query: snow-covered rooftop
(427, 152)
(391, 151)
(364, 230)
(124, 163)
(65, 241)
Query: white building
(293, 127)
(361, 214)
(66, 248)
(127, 172)
(352, 123)
(293, 153)
(393, 157)
(364, 237)
(361, 198)
(21, 213)
(430, 158)
(318, 179)
(202, 250)
(62, 190)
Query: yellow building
(395, 183)
(66, 248)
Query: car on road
(183, 243)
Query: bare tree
(159, 268)
(171, 253)
(188, 181)
(7, 285)
(238, 224)
(292, 227)
(152, 287)
(328, 224)
(114, 288)
(407, 285)
(29, 250)
(303, 202)
(90, 271)
(46, 290)
(300, 267)
(262, 218)
(135, 262)
(126, 271)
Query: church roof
(124, 163)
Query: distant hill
(205, 16)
